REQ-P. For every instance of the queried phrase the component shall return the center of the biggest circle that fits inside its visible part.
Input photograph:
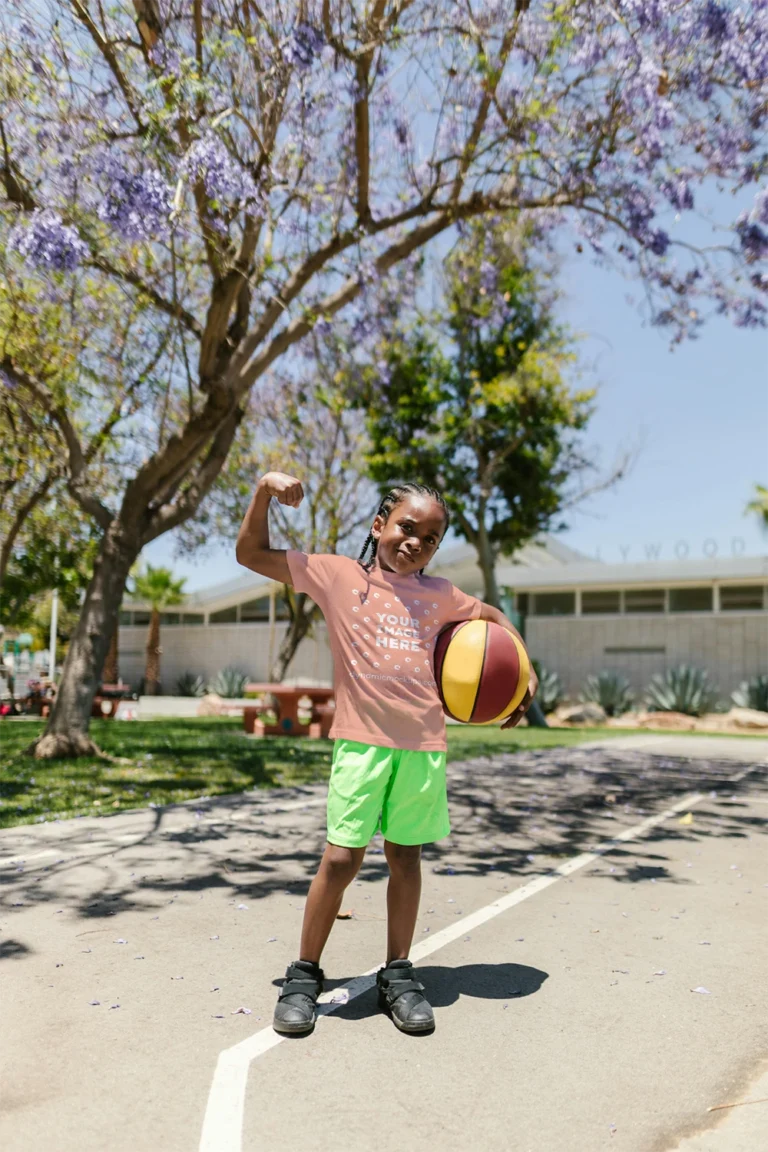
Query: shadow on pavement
(513, 814)
(444, 986)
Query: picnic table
(286, 701)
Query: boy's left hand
(524, 704)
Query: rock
(674, 721)
(747, 718)
(211, 705)
(588, 713)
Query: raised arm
(252, 549)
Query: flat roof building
(579, 616)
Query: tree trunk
(66, 733)
(152, 668)
(111, 674)
(303, 615)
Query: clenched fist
(285, 489)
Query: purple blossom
(224, 178)
(47, 243)
(303, 47)
(754, 241)
(714, 21)
(679, 193)
(137, 205)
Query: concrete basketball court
(593, 937)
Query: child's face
(408, 540)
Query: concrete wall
(206, 649)
(730, 646)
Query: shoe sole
(294, 1029)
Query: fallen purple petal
(120, 941)
(241, 1011)
(94, 1003)
(704, 991)
(213, 937)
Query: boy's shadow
(444, 986)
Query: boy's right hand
(285, 489)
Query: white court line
(223, 1120)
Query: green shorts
(403, 792)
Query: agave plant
(682, 689)
(611, 691)
(229, 683)
(752, 693)
(190, 685)
(550, 691)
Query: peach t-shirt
(382, 629)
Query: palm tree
(760, 504)
(157, 587)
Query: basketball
(482, 671)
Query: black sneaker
(402, 996)
(295, 1009)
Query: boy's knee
(342, 863)
(403, 858)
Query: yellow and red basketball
(482, 671)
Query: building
(579, 616)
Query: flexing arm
(252, 549)
(488, 612)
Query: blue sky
(696, 416)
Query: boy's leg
(296, 1006)
(400, 993)
(403, 895)
(337, 870)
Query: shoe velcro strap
(308, 987)
(394, 988)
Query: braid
(395, 496)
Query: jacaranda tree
(246, 170)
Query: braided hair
(395, 496)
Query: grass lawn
(172, 760)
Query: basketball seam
(459, 625)
(480, 677)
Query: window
(600, 603)
(742, 598)
(192, 618)
(126, 617)
(521, 603)
(554, 604)
(255, 610)
(226, 616)
(644, 600)
(690, 599)
(141, 617)
(170, 617)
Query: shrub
(682, 689)
(550, 691)
(190, 685)
(229, 683)
(752, 693)
(610, 690)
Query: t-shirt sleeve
(313, 573)
(462, 606)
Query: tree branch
(105, 48)
(167, 306)
(76, 462)
(164, 518)
(22, 512)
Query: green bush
(229, 683)
(611, 691)
(190, 685)
(752, 693)
(683, 689)
(550, 691)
